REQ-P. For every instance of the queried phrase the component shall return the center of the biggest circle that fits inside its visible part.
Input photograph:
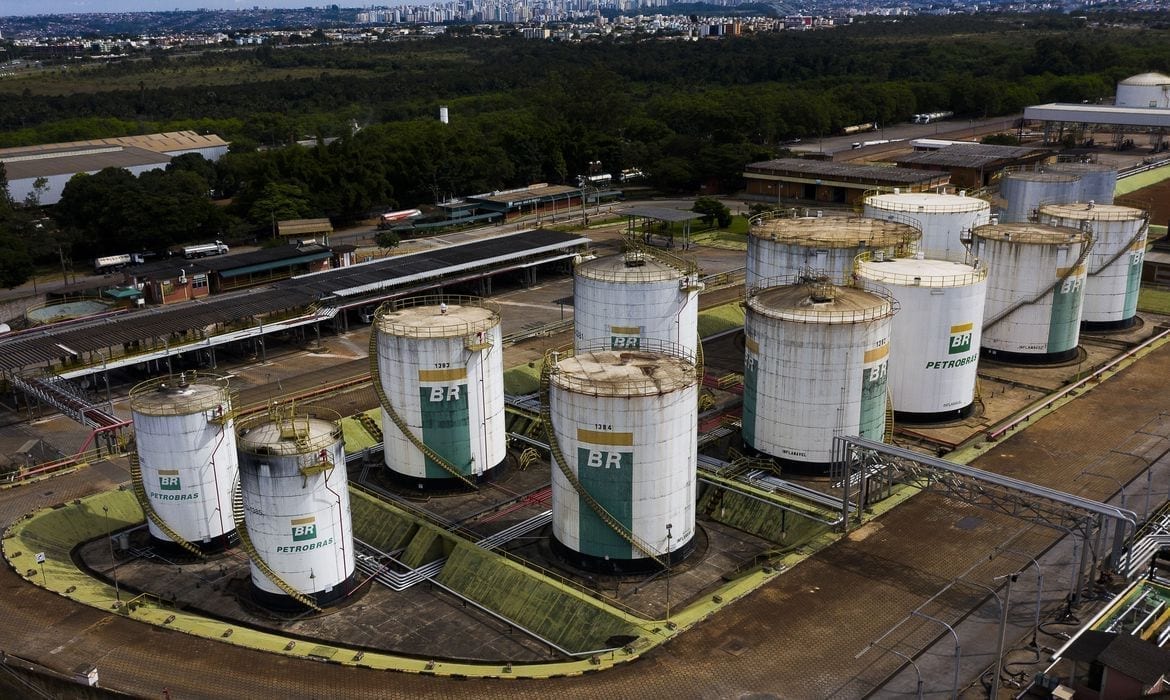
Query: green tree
(387, 239)
(713, 211)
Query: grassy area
(1156, 301)
(720, 318)
(1136, 182)
(356, 436)
(522, 379)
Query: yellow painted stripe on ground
(1062, 271)
(625, 330)
(442, 375)
(962, 327)
(603, 437)
(304, 521)
(876, 354)
(751, 344)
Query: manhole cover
(968, 523)
(735, 647)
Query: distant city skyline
(16, 8)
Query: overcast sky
(49, 7)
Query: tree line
(686, 113)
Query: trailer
(392, 218)
(202, 250)
(110, 263)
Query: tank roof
(912, 202)
(835, 231)
(623, 373)
(1042, 176)
(628, 267)
(1146, 79)
(178, 396)
(821, 303)
(1029, 233)
(1088, 212)
(284, 435)
(1079, 167)
(922, 272)
(436, 317)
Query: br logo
(440, 393)
(604, 459)
(304, 529)
(624, 342)
(169, 480)
(960, 339)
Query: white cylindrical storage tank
(934, 341)
(187, 451)
(815, 366)
(440, 366)
(1035, 291)
(787, 247)
(1098, 181)
(625, 426)
(1114, 263)
(1024, 191)
(944, 219)
(624, 300)
(296, 500)
(1144, 90)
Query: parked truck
(109, 263)
(202, 250)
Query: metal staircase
(888, 431)
(566, 470)
(388, 407)
(258, 561)
(148, 509)
(1059, 280)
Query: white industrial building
(57, 162)
(1141, 106)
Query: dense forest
(525, 111)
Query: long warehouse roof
(45, 345)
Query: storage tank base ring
(790, 465)
(947, 416)
(1125, 324)
(177, 552)
(280, 602)
(1005, 357)
(616, 567)
(451, 485)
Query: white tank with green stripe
(815, 366)
(625, 422)
(1115, 262)
(1035, 290)
(440, 362)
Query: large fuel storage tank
(624, 427)
(186, 447)
(1114, 263)
(788, 247)
(440, 369)
(934, 341)
(1145, 90)
(296, 500)
(638, 295)
(1098, 181)
(944, 219)
(1035, 291)
(815, 364)
(1025, 190)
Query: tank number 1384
(602, 426)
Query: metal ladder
(888, 431)
(246, 542)
(559, 458)
(148, 509)
(388, 407)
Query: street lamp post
(113, 558)
(668, 526)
